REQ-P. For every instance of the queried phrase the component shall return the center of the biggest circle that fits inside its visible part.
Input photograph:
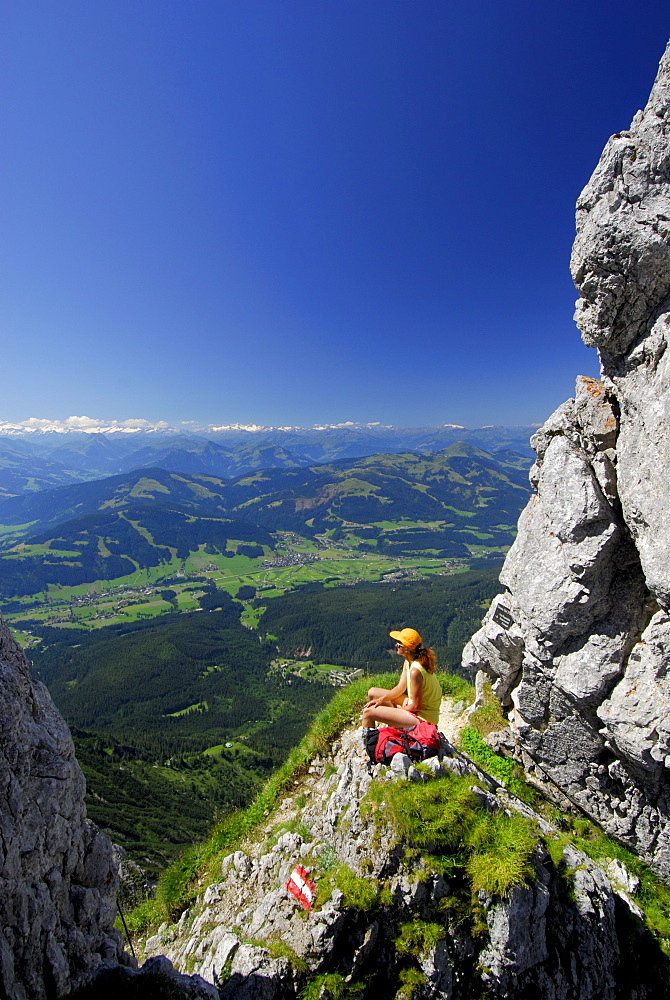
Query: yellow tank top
(431, 696)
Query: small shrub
(326, 859)
(304, 830)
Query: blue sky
(300, 211)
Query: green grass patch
(507, 771)
(278, 948)
(176, 886)
(359, 893)
(445, 819)
(457, 688)
(412, 981)
(331, 986)
(199, 706)
(502, 846)
(418, 937)
(251, 616)
(488, 718)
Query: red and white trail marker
(302, 887)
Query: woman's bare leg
(378, 693)
(389, 716)
(384, 695)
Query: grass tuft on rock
(488, 718)
(412, 983)
(331, 986)
(501, 859)
(507, 771)
(444, 818)
(418, 937)
(359, 893)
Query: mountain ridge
(27, 461)
(440, 503)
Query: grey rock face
(621, 266)
(561, 937)
(621, 256)
(580, 655)
(57, 903)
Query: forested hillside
(350, 625)
(111, 544)
(193, 680)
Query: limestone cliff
(58, 874)
(58, 878)
(578, 645)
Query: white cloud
(138, 425)
(213, 428)
(83, 424)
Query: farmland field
(296, 562)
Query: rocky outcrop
(58, 872)
(58, 879)
(578, 646)
(564, 935)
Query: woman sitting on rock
(417, 695)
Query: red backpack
(421, 742)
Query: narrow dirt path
(450, 722)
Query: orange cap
(409, 637)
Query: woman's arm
(393, 696)
(414, 690)
(400, 688)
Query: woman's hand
(375, 703)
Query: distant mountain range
(37, 460)
(438, 502)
